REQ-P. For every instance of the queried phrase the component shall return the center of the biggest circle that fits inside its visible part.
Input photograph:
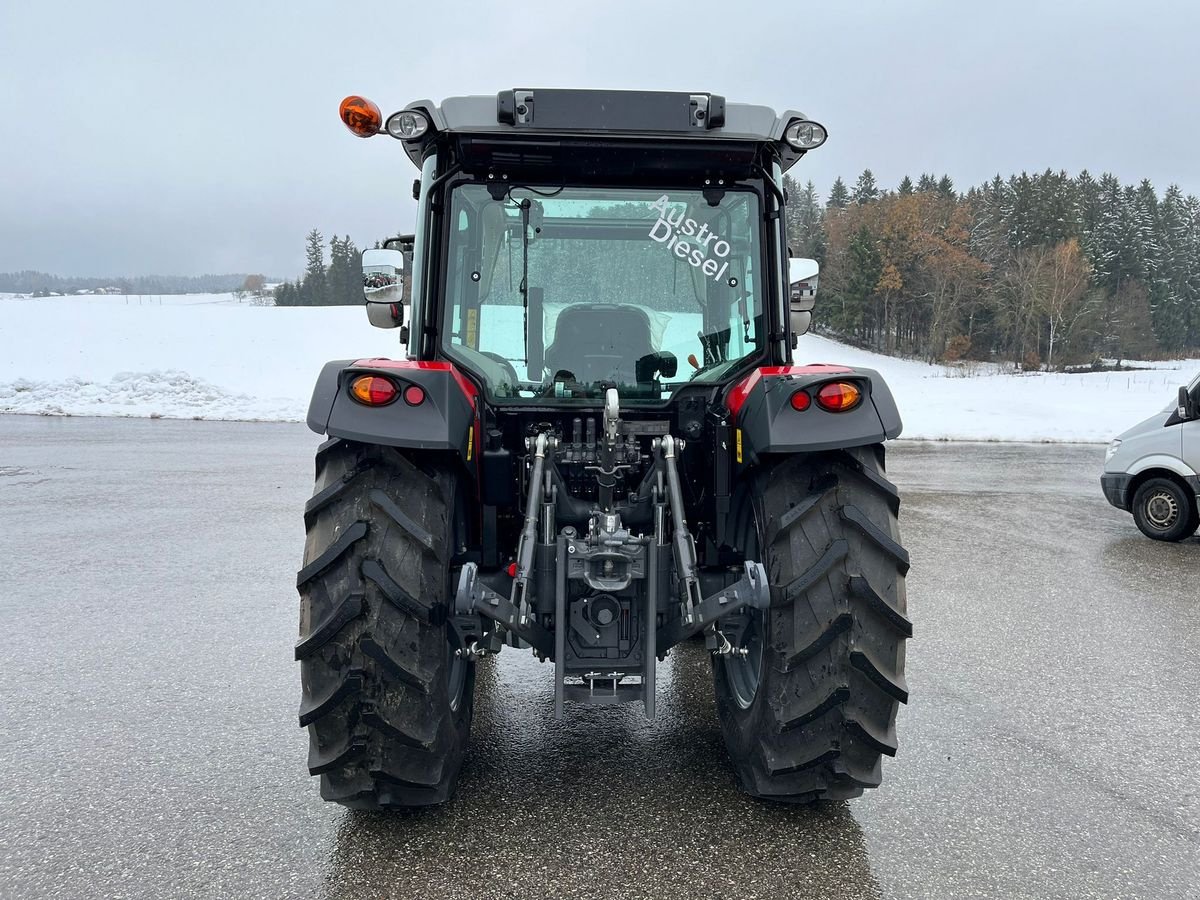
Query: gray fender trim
(444, 420)
(769, 424)
(325, 392)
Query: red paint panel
(465, 384)
(737, 396)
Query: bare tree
(1064, 298)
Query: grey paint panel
(324, 394)
(477, 114)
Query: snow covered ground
(209, 356)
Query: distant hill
(28, 282)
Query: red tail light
(373, 390)
(839, 396)
(414, 395)
(801, 401)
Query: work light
(407, 125)
(804, 135)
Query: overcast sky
(139, 138)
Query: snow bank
(209, 356)
(986, 404)
(199, 355)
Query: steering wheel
(509, 371)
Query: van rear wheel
(1164, 510)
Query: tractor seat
(601, 342)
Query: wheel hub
(1162, 509)
(743, 671)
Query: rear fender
(766, 422)
(447, 419)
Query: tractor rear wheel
(810, 710)
(386, 700)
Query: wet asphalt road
(149, 747)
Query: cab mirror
(802, 293)
(383, 287)
(800, 322)
(1187, 405)
(385, 315)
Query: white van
(1151, 469)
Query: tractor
(595, 446)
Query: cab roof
(527, 126)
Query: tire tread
(373, 651)
(825, 712)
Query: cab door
(1191, 431)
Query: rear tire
(816, 714)
(387, 703)
(1164, 511)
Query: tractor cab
(582, 240)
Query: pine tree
(864, 270)
(839, 196)
(343, 278)
(945, 188)
(314, 288)
(353, 286)
(1053, 217)
(906, 187)
(817, 240)
(1087, 213)
(1192, 289)
(1169, 294)
(926, 184)
(1107, 237)
(865, 189)
(805, 224)
(791, 214)
(286, 294)
(1150, 249)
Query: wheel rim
(743, 674)
(1162, 510)
(456, 675)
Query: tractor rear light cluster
(839, 396)
(376, 390)
(836, 396)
